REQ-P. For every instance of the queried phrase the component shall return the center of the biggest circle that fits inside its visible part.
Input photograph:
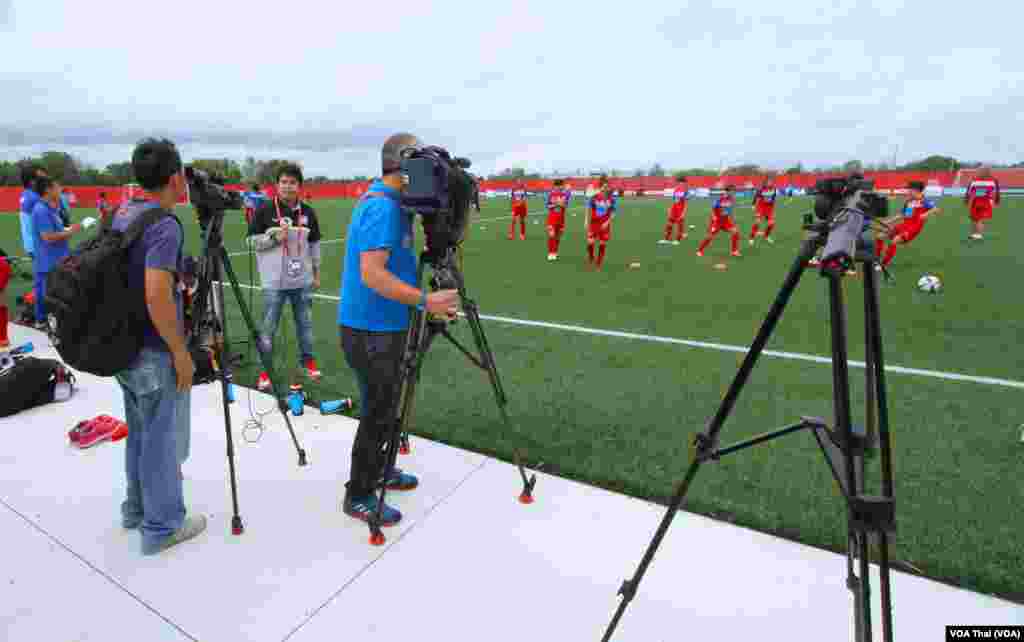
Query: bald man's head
(391, 153)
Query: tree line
(68, 170)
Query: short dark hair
(42, 185)
(289, 169)
(103, 194)
(916, 185)
(154, 162)
(730, 187)
(28, 175)
(255, 187)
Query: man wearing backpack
(157, 385)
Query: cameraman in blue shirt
(378, 290)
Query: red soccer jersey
(723, 206)
(601, 207)
(915, 209)
(766, 196)
(518, 197)
(984, 190)
(680, 196)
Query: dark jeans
(376, 359)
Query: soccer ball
(929, 283)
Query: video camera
(845, 207)
(209, 196)
(438, 187)
(855, 192)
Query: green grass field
(620, 412)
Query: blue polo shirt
(378, 223)
(28, 201)
(46, 220)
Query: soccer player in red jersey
(558, 203)
(916, 210)
(518, 211)
(677, 212)
(764, 208)
(103, 206)
(983, 195)
(5, 277)
(599, 227)
(721, 219)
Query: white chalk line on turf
(483, 220)
(723, 347)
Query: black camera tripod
(209, 314)
(844, 446)
(423, 329)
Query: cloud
(546, 85)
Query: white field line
(723, 347)
(483, 220)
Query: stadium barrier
(952, 184)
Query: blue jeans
(40, 288)
(302, 305)
(159, 427)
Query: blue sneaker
(363, 507)
(398, 480)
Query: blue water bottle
(297, 402)
(336, 407)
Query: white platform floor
(468, 562)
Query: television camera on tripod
(207, 332)
(438, 188)
(843, 210)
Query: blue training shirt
(47, 220)
(27, 203)
(378, 223)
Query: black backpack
(32, 382)
(97, 322)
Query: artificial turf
(620, 412)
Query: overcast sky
(553, 85)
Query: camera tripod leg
(265, 359)
(872, 318)
(706, 443)
(418, 339)
(488, 364)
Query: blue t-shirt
(378, 223)
(159, 249)
(28, 201)
(47, 220)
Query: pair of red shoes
(90, 432)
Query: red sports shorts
(766, 211)
(519, 209)
(678, 213)
(556, 220)
(981, 211)
(721, 224)
(908, 229)
(598, 231)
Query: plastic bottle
(337, 406)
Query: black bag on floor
(32, 382)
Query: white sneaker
(552, 257)
(878, 268)
(751, 242)
(770, 240)
(675, 242)
(663, 241)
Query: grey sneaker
(192, 527)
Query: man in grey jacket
(285, 234)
